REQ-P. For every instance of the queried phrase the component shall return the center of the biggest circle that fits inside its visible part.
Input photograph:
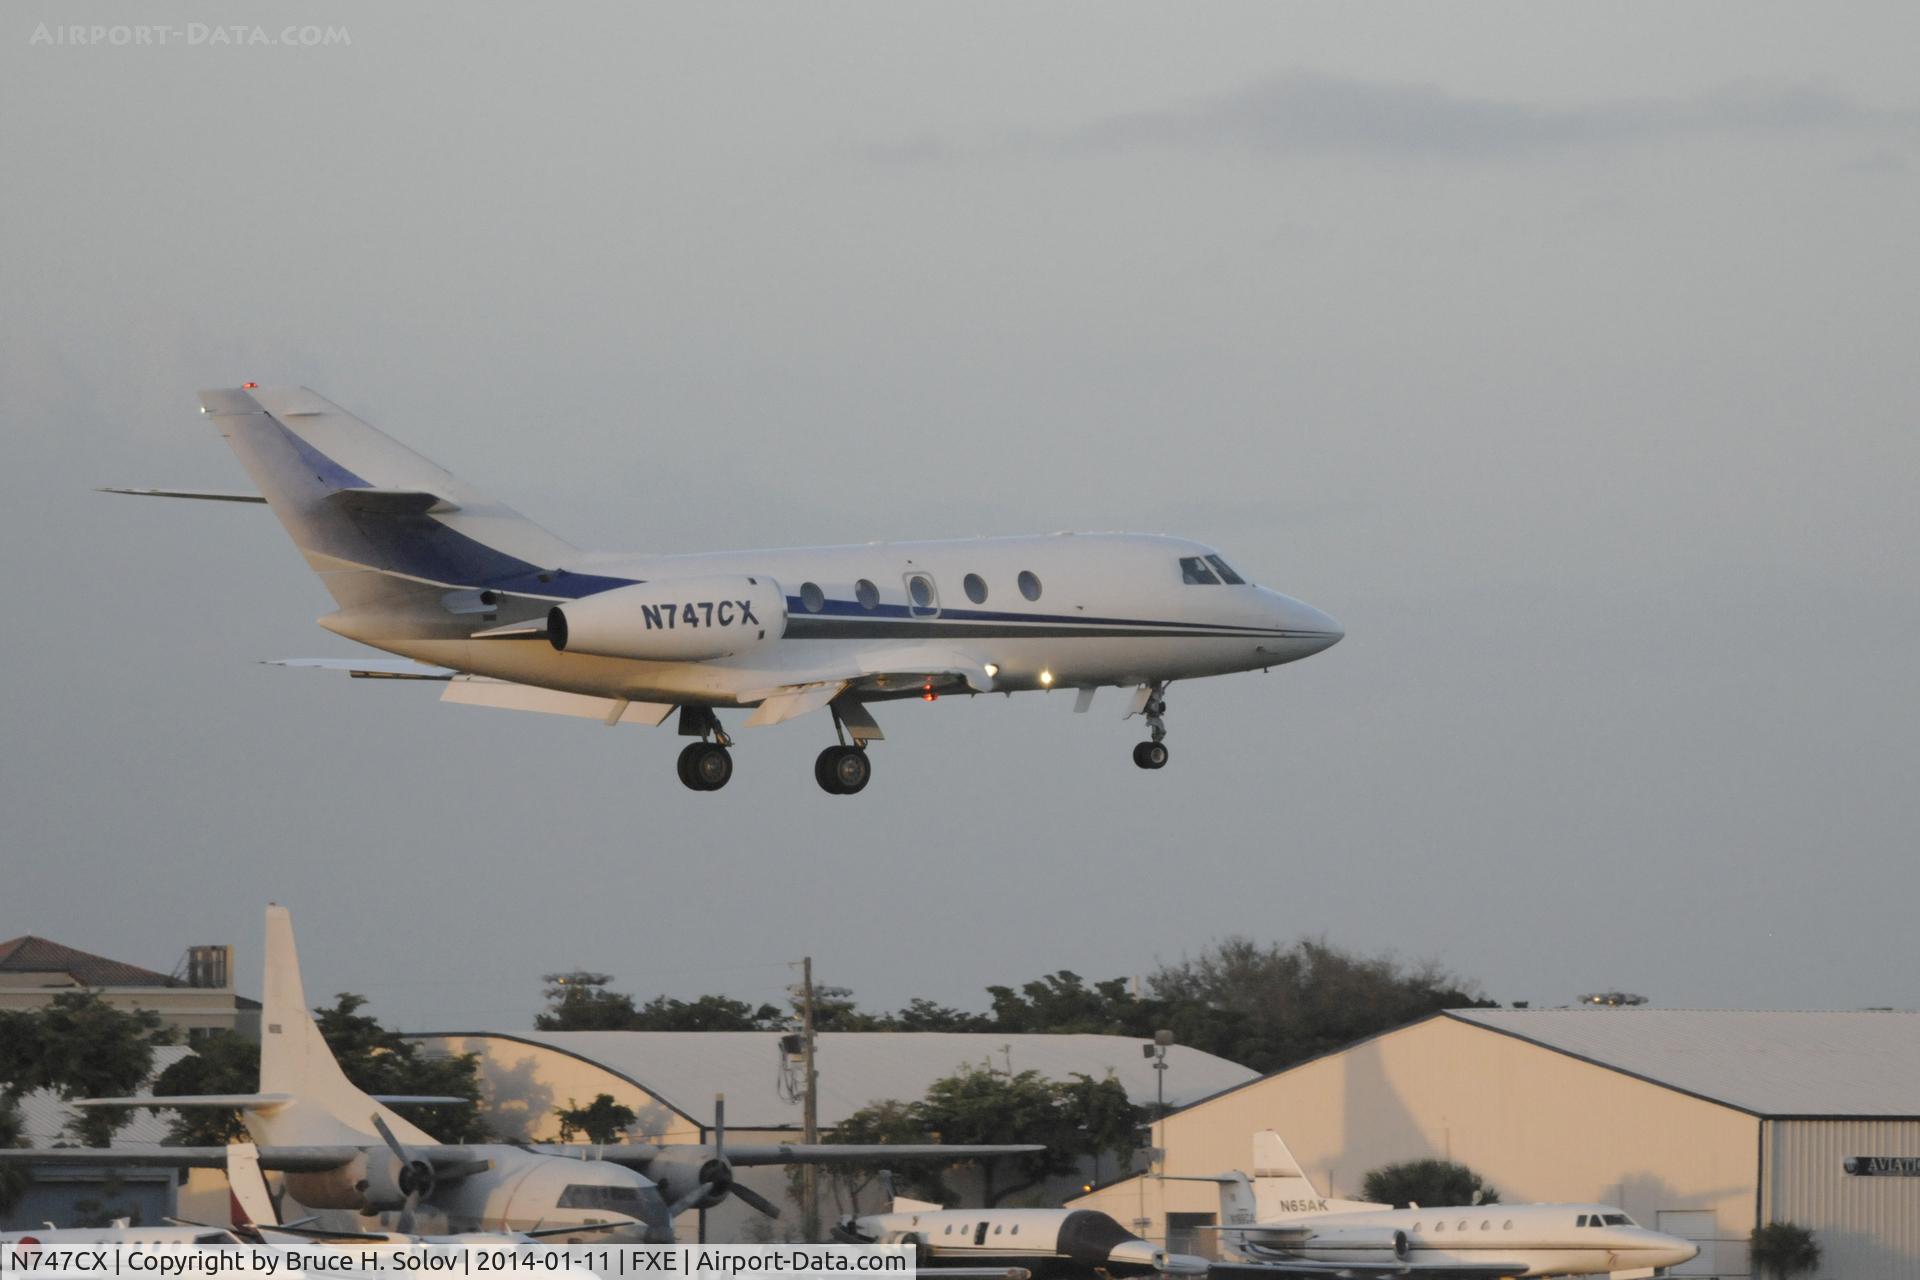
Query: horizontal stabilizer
(370, 668)
(479, 691)
(302, 1159)
(204, 495)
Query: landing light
(1046, 677)
(991, 670)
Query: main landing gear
(843, 770)
(704, 765)
(1153, 754)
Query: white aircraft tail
(320, 1105)
(1237, 1208)
(372, 517)
(1282, 1189)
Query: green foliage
(925, 1015)
(579, 1001)
(1429, 1183)
(602, 1121)
(1071, 1119)
(224, 1063)
(79, 1046)
(13, 1133)
(1271, 1006)
(383, 1062)
(1784, 1249)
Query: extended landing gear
(1153, 754)
(842, 771)
(704, 765)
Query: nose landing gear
(1153, 754)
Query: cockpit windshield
(1208, 571)
(582, 1195)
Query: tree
(602, 1121)
(1271, 1006)
(1063, 1003)
(13, 1133)
(384, 1062)
(1081, 1117)
(886, 1122)
(579, 1001)
(1428, 1183)
(1783, 1249)
(79, 1046)
(925, 1015)
(225, 1063)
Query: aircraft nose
(1310, 627)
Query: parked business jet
(1044, 1242)
(1279, 1219)
(474, 594)
(341, 1149)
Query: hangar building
(1698, 1123)
(669, 1079)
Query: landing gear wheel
(842, 771)
(1150, 755)
(705, 766)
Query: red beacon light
(249, 386)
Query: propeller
(416, 1175)
(715, 1179)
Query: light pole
(1157, 1050)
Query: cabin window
(867, 594)
(1582, 1222)
(947, 1230)
(1029, 584)
(1015, 1231)
(976, 588)
(996, 1231)
(1227, 575)
(586, 1195)
(1194, 572)
(1507, 1225)
(1486, 1226)
(1463, 1224)
(1439, 1226)
(812, 597)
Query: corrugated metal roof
(46, 1116)
(685, 1069)
(1768, 1062)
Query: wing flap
(370, 668)
(202, 495)
(479, 691)
(795, 701)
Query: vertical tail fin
(363, 508)
(324, 1106)
(1282, 1189)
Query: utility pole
(810, 1112)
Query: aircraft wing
(370, 668)
(282, 1159)
(636, 1155)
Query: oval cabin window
(976, 588)
(867, 594)
(812, 597)
(1029, 584)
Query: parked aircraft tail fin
(295, 1063)
(1282, 1189)
(365, 509)
(1237, 1207)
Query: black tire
(712, 767)
(852, 770)
(685, 765)
(1150, 755)
(823, 770)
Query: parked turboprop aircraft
(472, 593)
(342, 1149)
(1045, 1242)
(1278, 1219)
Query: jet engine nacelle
(371, 1182)
(674, 620)
(678, 1173)
(1369, 1239)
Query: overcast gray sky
(1565, 353)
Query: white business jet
(1279, 1219)
(1042, 1242)
(469, 592)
